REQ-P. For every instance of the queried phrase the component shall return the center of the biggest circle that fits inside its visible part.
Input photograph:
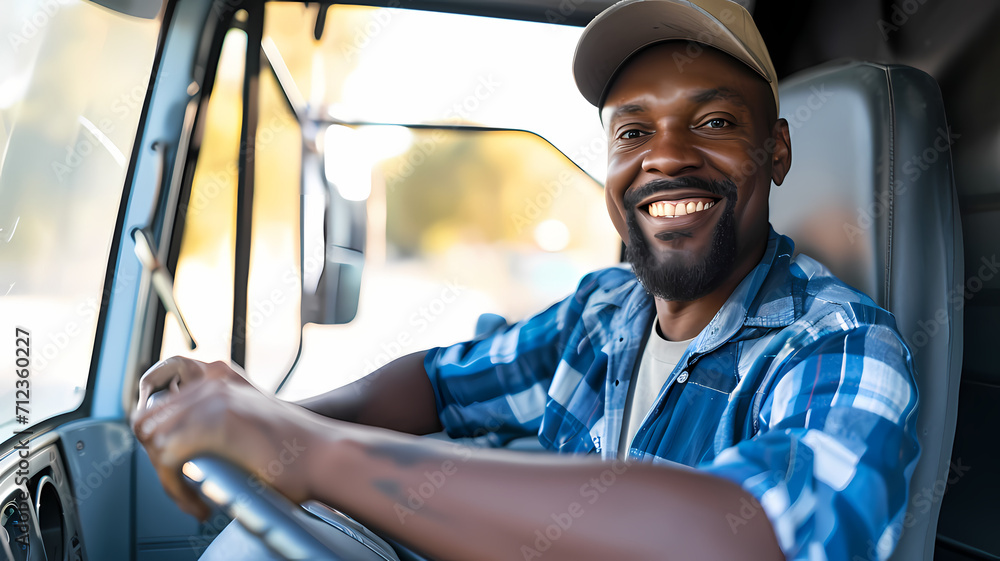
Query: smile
(684, 207)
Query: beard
(674, 277)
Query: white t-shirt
(658, 361)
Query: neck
(681, 320)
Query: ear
(781, 157)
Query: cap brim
(628, 27)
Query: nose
(671, 153)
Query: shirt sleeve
(498, 386)
(831, 463)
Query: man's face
(692, 150)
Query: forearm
(454, 502)
(397, 396)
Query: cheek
(623, 169)
(736, 160)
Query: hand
(210, 409)
(175, 371)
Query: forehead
(690, 71)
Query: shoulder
(608, 278)
(831, 307)
(608, 284)
(824, 291)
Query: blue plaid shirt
(800, 389)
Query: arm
(397, 396)
(450, 501)
(401, 396)
(474, 377)
(460, 503)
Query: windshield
(502, 218)
(392, 65)
(73, 77)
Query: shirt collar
(770, 296)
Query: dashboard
(38, 521)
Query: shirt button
(682, 378)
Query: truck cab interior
(290, 185)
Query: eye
(630, 134)
(717, 123)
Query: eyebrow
(626, 110)
(704, 96)
(700, 96)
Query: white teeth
(670, 210)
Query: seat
(871, 195)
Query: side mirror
(336, 183)
(333, 230)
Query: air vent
(51, 523)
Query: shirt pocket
(716, 371)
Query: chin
(683, 274)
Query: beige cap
(631, 25)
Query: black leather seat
(871, 195)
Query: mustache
(724, 188)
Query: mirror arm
(163, 283)
(286, 83)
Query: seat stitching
(891, 188)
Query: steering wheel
(293, 532)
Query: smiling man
(789, 393)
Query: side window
(203, 278)
(458, 213)
(273, 287)
(460, 219)
(460, 224)
(205, 272)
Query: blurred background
(459, 221)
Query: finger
(162, 431)
(230, 372)
(170, 372)
(152, 424)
